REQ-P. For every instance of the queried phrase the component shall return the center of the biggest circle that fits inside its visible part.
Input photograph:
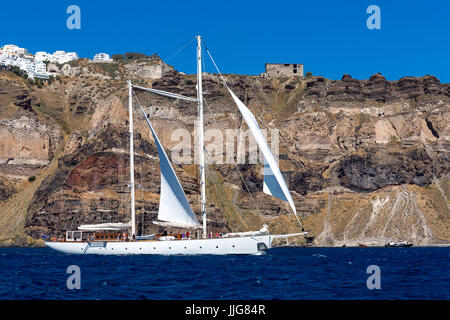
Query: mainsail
(174, 208)
(274, 183)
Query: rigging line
(215, 121)
(225, 83)
(180, 49)
(140, 167)
(165, 93)
(235, 164)
(141, 117)
(215, 65)
(71, 223)
(142, 109)
(122, 183)
(141, 186)
(206, 163)
(221, 76)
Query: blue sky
(329, 37)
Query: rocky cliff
(366, 160)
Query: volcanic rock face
(366, 160)
(109, 111)
(144, 70)
(26, 141)
(6, 189)
(27, 144)
(373, 169)
(151, 68)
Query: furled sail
(105, 226)
(274, 183)
(174, 208)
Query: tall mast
(200, 132)
(130, 110)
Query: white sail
(274, 183)
(174, 208)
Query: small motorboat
(398, 244)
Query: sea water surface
(283, 273)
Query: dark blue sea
(284, 273)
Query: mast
(200, 132)
(130, 110)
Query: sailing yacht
(174, 208)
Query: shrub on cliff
(39, 82)
(109, 68)
(137, 55)
(117, 57)
(134, 55)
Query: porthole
(200, 247)
(185, 247)
(154, 248)
(170, 247)
(217, 246)
(233, 245)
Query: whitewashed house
(13, 50)
(102, 57)
(39, 70)
(34, 66)
(6, 60)
(22, 63)
(71, 56)
(58, 57)
(42, 56)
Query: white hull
(254, 245)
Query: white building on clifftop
(12, 50)
(14, 56)
(62, 57)
(283, 70)
(102, 57)
(42, 56)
